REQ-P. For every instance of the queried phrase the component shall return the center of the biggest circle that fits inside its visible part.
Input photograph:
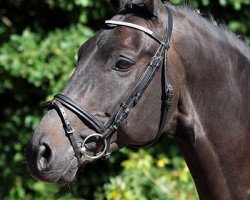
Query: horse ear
(151, 6)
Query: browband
(138, 27)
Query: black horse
(121, 91)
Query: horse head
(115, 98)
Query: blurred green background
(38, 45)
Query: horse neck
(212, 116)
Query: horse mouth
(56, 176)
(68, 174)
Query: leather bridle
(104, 132)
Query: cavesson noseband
(104, 132)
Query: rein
(105, 132)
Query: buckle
(69, 130)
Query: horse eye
(123, 64)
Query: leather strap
(67, 127)
(85, 115)
(137, 93)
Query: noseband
(104, 132)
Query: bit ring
(83, 149)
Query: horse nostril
(44, 156)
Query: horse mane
(207, 23)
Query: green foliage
(147, 177)
(28, 56)
(39, 42)
(31, 66)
